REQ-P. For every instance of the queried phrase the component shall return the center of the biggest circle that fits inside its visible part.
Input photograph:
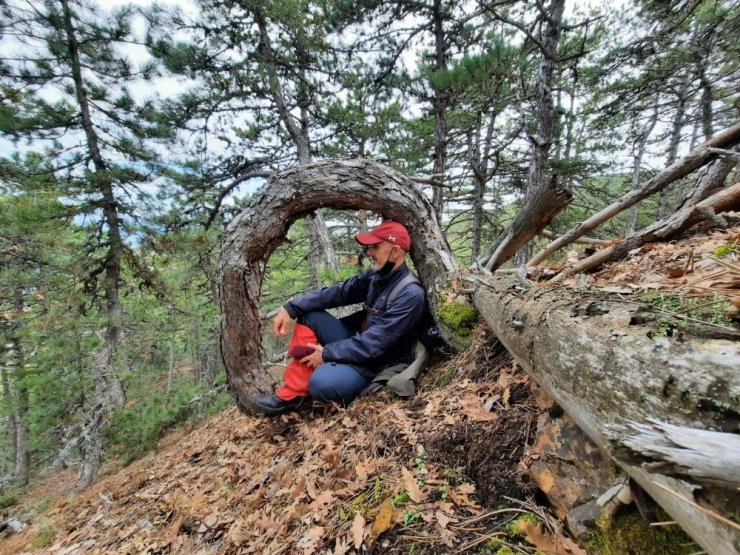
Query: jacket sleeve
(350, 291)
(380, 338)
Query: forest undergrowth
(440, 473)
(431, 475)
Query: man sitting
(336, 359)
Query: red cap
(393, 232)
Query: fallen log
(695, 159)
(723, 201)
(609, 363)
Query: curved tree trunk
(610, 365)
(261, 227)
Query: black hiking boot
(272, 405)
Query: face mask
(387, 268)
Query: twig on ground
(478, 541)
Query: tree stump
(252, 237)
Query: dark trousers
(332, 381)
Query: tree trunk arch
(293, 194)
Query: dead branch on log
(702, 455)
(537, 212)
(731, 154)
(709, 183)
(545, 196)
(710, 514)
(681, 168)
(724, 200)
(582, 240)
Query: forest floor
(440, 473)
(703, 266)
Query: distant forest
(131, 136)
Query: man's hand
(280, 323)
(316, 358)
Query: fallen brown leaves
(705, 265)
(546, 541)
(688, 264)
(362, 479)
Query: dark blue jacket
(391, 332)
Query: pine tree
(264, 68)
(67, 92)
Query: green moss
(497, 547)
(458, 318)
(364, 502)
(411, 517)
(726, 250)
(446, 377)
(401, 499)
(513, 527)
(632, 534)
(711, 309)
(8, 500)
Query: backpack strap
(407, 280)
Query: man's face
(381, 253)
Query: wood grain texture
(609, 363)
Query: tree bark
(258, 230)
(544, 198)
(607, 363)
(723, 201)
(582, 240)
(701, 57)
(711, 181)
(22, 451)
(321, 247)
(323, 250)
(5, 370)
(15, 366)
(672, 154)
(439, 106)
(702, 455)
(478, 157)
(692, 161)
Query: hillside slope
(381, 472)
(441, 473)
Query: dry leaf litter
(441, 472)
(703, 265)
